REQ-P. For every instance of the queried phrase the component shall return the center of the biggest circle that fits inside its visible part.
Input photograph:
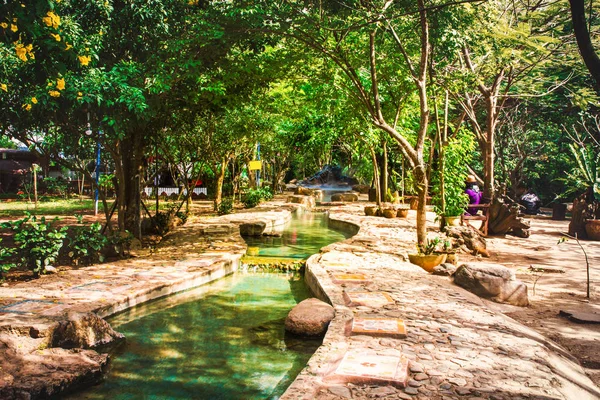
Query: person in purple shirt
(475, 195)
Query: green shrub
(57, 186)
(161, 222)
(120, 242)
(266, 193)
(87, 244)
(226, 206)
(5, 255)
(252, 198)
(182, 215)
(37, 243)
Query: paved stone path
(453, 346)
(457, 348)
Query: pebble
(421, 377)
(411, 390)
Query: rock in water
(492, 281)
(85, 331)
(310, 317)
(255, 228)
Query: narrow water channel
(304, 236)
(224, 340)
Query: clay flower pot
(402, 213)
(427, 261)
(592, 228)
(389, 213)
(371, 211)
(452, 221)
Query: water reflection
(221, 341)
(304, 236)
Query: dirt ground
(551, 292)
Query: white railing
(172, 190)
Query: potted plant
(402, 210)
(429, 254)
(585, 220)
(456, 205)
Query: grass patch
(53, 207)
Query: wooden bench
(483, 217)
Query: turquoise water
(304, 236)
(224, 340)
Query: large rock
(255, 228)
(310, 317)
(492, 281)
(471, 238)
(301, 190)
(349, 197)
(85, 331)
(307, 201)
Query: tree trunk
(421, 177)
(220, 180)
(577, 224)
(384, 171)
(376, 177)
(128, 155)
(488, 176)
(586, 48)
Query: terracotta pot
(452, 221)
(414, 203)
(402, 213)
(427, 261)
(592, 228)
(371, 211)
(389, 213)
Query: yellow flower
(79, 94)
(56, 36)
(54, 93)
(68, 46)
(29, 47)
(21, 51)
(27, 107)
(51, 19)
(4, 87)
(34, 100)
(60, 84)
(13, 27)
(4, 25)
(101, 32)
(84, 60)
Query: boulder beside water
(85, 331)
(495, 282)
(310, 317)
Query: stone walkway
(454, 346)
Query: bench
(483, 217)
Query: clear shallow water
(224, 340)
(304, 236)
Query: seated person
(531, 203)
(475, 195)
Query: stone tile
(369, 299)
(378, 327)
(341, 278)
(364, 366)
